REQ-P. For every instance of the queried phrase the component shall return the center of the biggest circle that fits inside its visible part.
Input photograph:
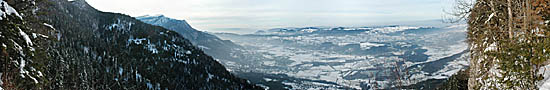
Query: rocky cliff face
(59, 44)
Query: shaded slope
(84, 48)
(212, 45)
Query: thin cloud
(260, 14)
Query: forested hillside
(223, 50)
(60, 44)
(509, 42)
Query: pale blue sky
(246, 16)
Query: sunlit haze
(247, 16)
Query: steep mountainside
(57, 44)
(212, 45)
(509, 42)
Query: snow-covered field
(354, 56)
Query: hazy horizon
(248, 16)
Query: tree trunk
(510, 19)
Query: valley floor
(351, 58)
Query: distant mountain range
(312, 30)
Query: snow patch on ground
(8, 10)
(35, 35)
(58, 35)
(210, 76)
(491, 47)
(123, 26)
(394, 29)
(152, 48)
(263, 86)
(203, 47)
(18, 48)
(545, 83)
(86, 50)
(120, 70)
(150, 86)
(269, 63)
(48, 25)
(290, 84)
(266, 79)
(26, 37)
(490, 16)
(188, 52)
(1, 83)
(344, 44)
(367, 45)
(309, 30)
(22, 64)
(22, 70)
(138, 76)
(137, 40)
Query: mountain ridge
(211, 44)
(70, 45)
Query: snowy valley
(295, 45)
(350, 57)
